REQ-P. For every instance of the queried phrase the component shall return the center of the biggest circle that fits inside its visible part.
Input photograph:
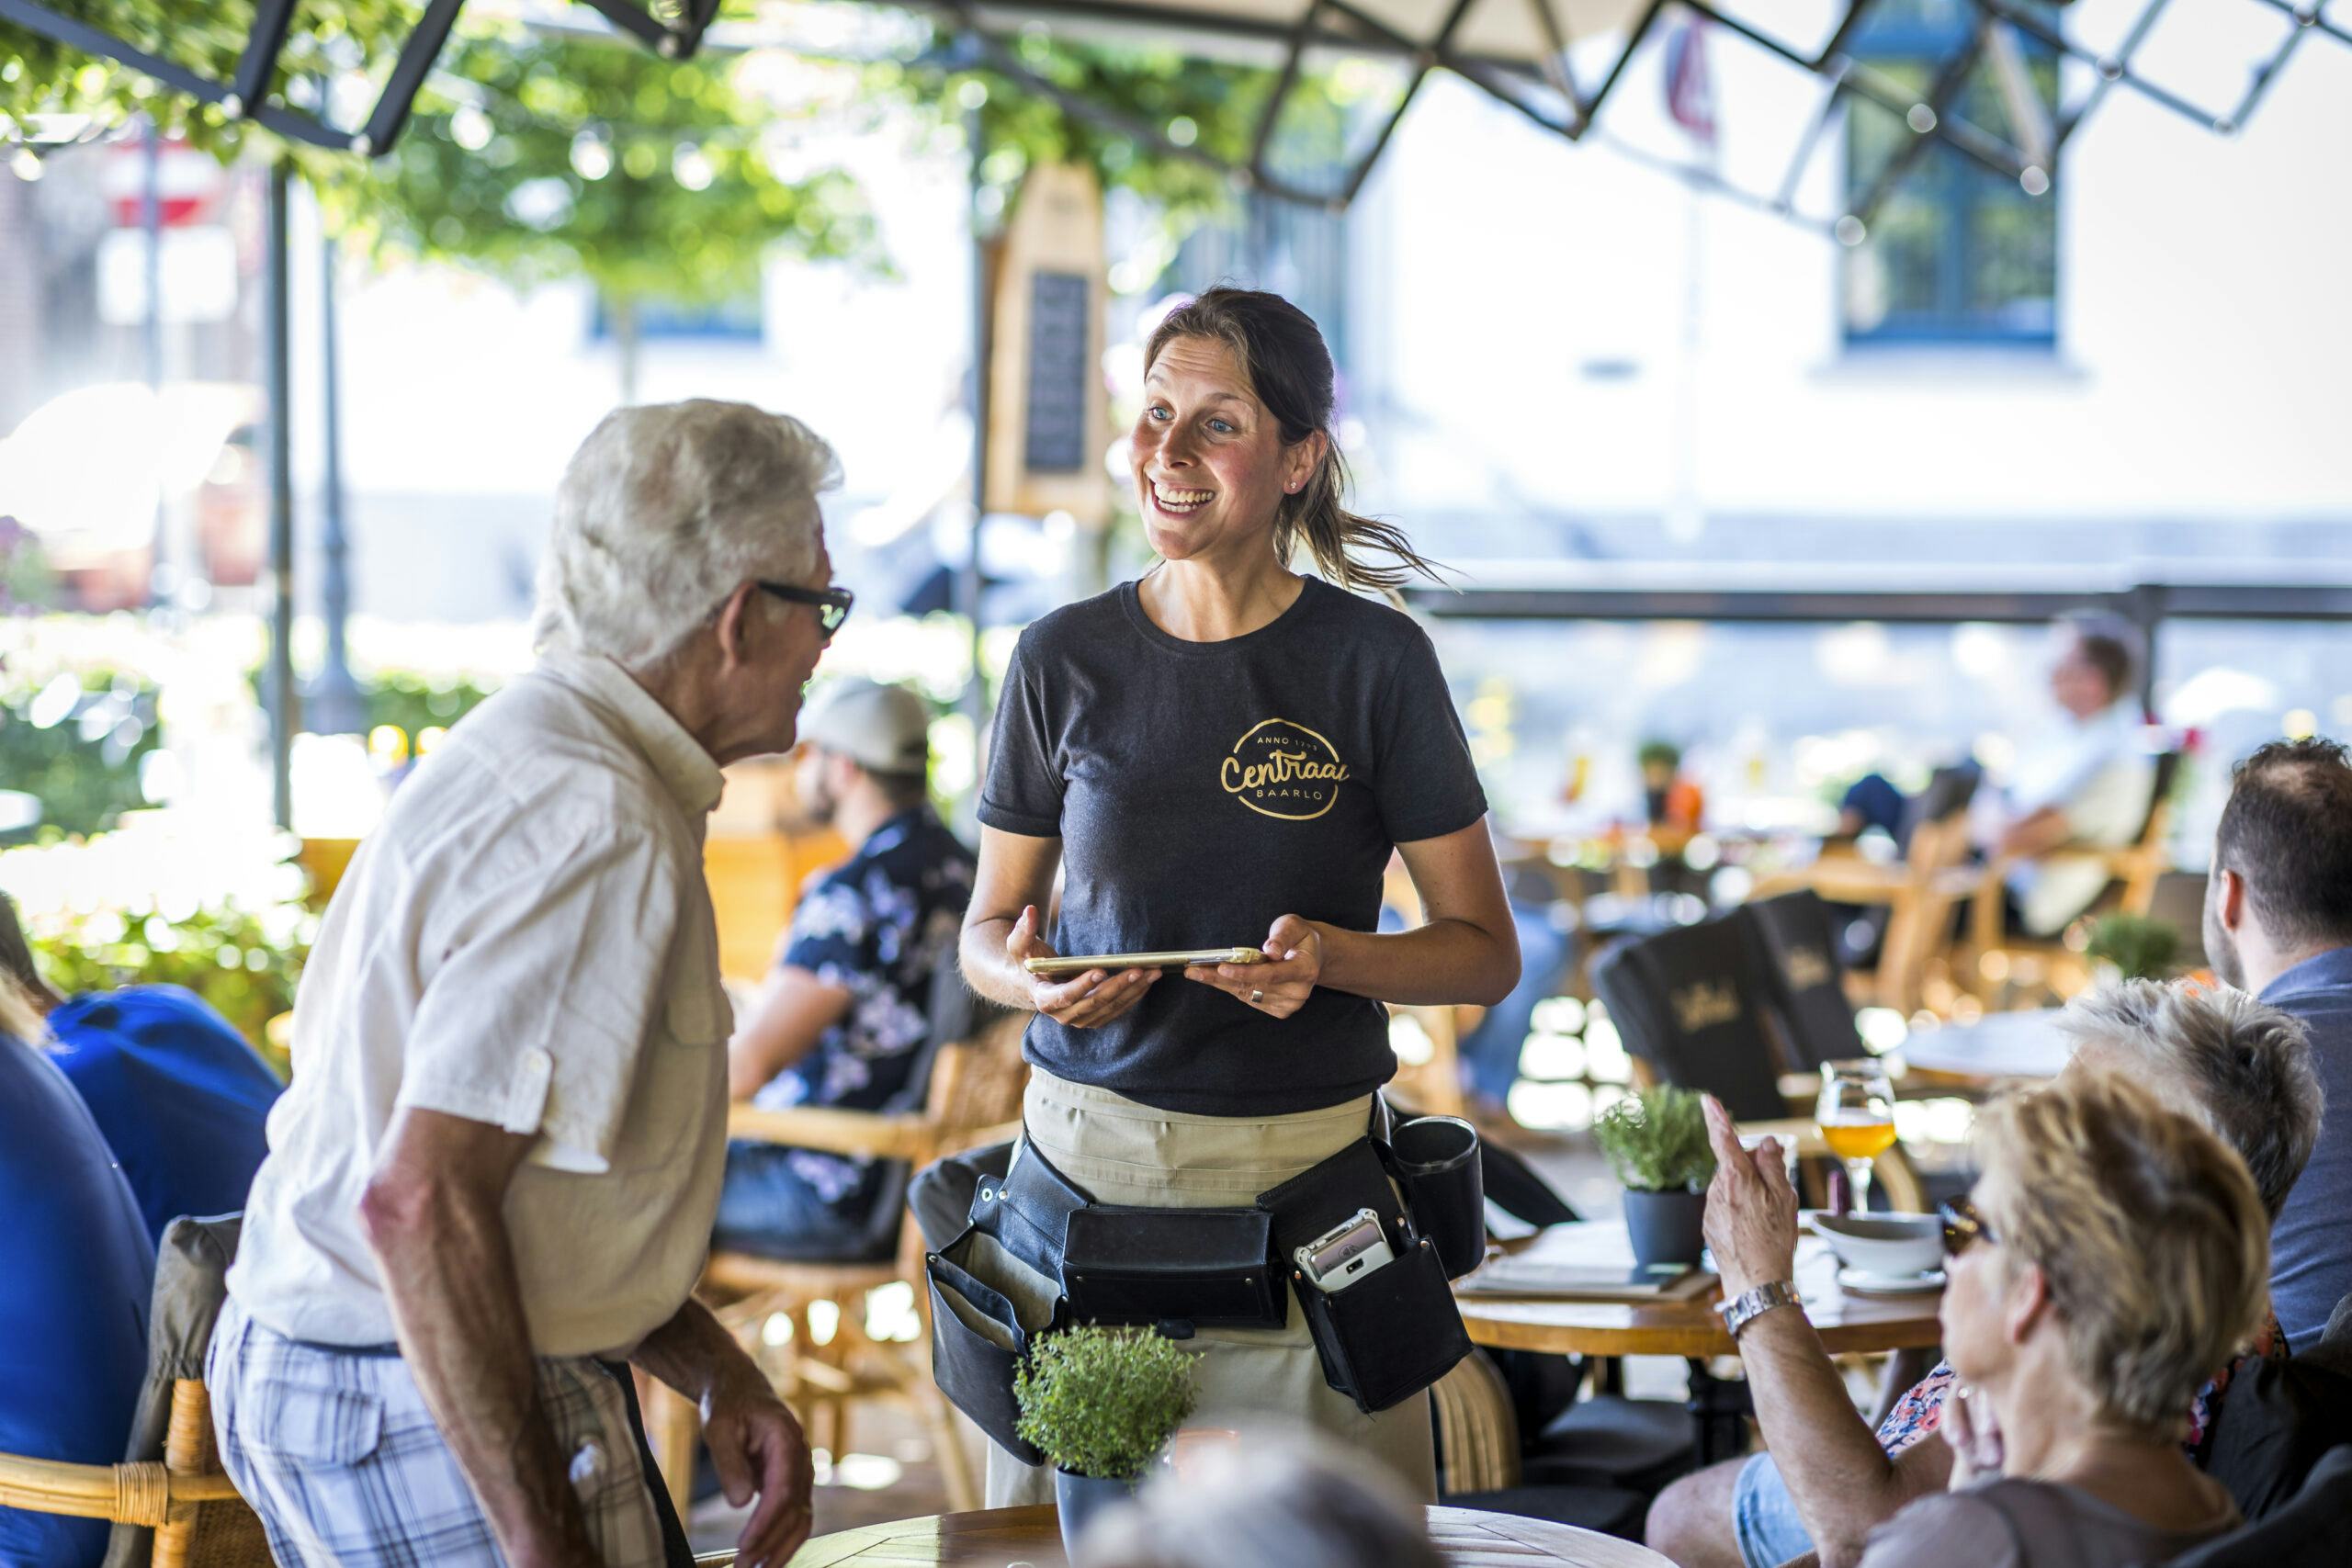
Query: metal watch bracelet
(1753, 1303)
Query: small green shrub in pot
(1100, 1404)
(2139, 947)
(1103, 1402)
(1656, 1142)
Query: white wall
(2205, 325)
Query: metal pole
(150, 218)
(968, 582)
(337, 706)
(277, 686)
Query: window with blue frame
(734, 321)
(1958, 254)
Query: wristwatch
(1751, 1304)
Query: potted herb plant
(1655, 1141)
(2133, 947)
(1100, 1404)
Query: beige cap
(883, 728)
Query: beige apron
(1122, 1151)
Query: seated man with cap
(847, 1009)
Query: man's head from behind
(2280, 887)
(862, 738)
(667, 521)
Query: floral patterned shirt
(1921, 1410)
(878, 926)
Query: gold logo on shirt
(1284, 770)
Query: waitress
(1224, 753)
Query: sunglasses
(1964, 1226)
(832, 604)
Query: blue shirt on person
(2311, 1245)
(74, 1318)
(180, 1095)
(878, 926)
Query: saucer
(1862, 1284)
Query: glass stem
(1858, 1172)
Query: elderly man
(494, 1175)
(1829, 1480)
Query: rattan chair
(199, 1519)
(972, 1098)
(1994, 961)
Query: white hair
(664, 511)
(1298, 1502)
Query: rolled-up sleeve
(550, 981)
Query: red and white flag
(1690, 87)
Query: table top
(1031, 1537)
(2024, 1044)
(1848, 1323)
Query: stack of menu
(1540, 1278)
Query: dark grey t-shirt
(2015, 1523)
(1201, 791)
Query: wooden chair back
(1919, 916)
(1690, 1003)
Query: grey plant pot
(1666, 1227)
(1081, 1497)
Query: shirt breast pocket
(679, 1097)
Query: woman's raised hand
(1280, 986)
(1085, 1001)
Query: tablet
(1112, 963)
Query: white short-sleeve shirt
(2099, 773)
(526, 940)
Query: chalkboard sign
(1061, 373)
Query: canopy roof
(1521, 32)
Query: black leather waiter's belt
(1040, 1255)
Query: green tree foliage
(1202, 107)
(541, 157)
(78, 750)
(244, 963)
(40, 77)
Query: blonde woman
(1224, 753)
(2112, 1254)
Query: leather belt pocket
(1390, 1333)
(977, 1341)
(1208, 1267)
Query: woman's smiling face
(1210, 467)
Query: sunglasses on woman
(1964, 1226)
(833, 604)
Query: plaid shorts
(337, 1453)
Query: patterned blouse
(1921, 1410)
(878, 926)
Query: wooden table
(1849, 1324)
(1010, 1538)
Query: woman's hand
(1088, 1000)
(1751, 1216)
(1279, 987)
(1969, 1429)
